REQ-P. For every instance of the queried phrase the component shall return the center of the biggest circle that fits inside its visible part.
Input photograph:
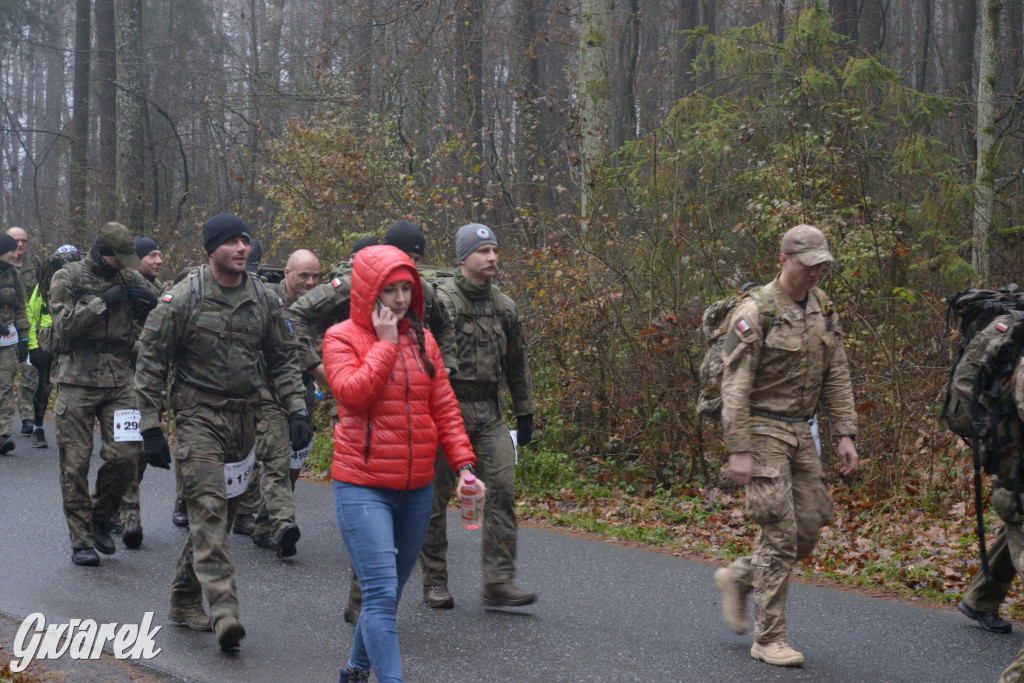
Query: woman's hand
(385, 323)
(481, 488)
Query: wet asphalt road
(605, 612)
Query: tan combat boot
(778, 653)
(734, 600)
(192, 616)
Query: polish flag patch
(1002, 327)
(336, 282)
(742, 325)
(166, 298)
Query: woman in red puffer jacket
(394, 406)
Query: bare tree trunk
(525, 73)
(984, 183)
(709, 18)
(921, 81)
(80, 124)
(624, 113)
(469, 66)
(963, 71)
(595, 107)
(687, 18)
(131, 177)
(106, 67)
(871, 25)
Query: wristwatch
(467, 467)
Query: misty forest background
(637, 158)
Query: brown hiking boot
(438, 597)
(506, 595)
(244, 524)
(734, 601)
(229, 632)
(778, 653)
(192, 616)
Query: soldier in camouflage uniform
(215, 329)
(14, 339)
(275, 526)
(772, 383)
(97, 305)
(491, 352)
(128, 519)
(28, 266)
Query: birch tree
(131, 179)
(985, 132)
(595, 105)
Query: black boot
(180, 515)
(101, 539)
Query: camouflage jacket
(29, 274)
(282, 292)
(12, 302)
(156, 284)
(490, 345)
(328, 304)
(786, 370)
(96, 345)
(216, 348)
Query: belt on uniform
(475, 391)
(185, 395)
(117, 349)
(782, 418)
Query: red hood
(370, 270)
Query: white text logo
(82, 639)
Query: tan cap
(808, 244)
(116, 237)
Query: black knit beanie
(407, 236)
(222, 228)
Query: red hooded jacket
(391, 414)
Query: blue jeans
(383, 530)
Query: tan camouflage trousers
(987, 596)
(789, 499)
(1003, 500)
(130, 509)
(28, 382)
(208, 437)
(270, 495)
(77, 408)
(495, 466)
(8, 370)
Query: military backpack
(979, 404)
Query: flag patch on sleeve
(166, 298)
(742, 325)
(336, 282)
(1002, 327)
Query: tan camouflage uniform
(28, 381)
(93, 372)
(130, 508)
(12, 312)
(216, 409)
(491, 353)
(799, 363)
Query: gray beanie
(471, 237)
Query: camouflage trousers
(495, 466)
(270, 495)
(28, 382)
(130, 509)
(1004, 502)
(987, 596)
(8, 370)
(789, 499)
(77, 408)
(208, 437)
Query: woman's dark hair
(417, 326)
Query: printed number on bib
(238, 474)
(11, 338)
(299, 457)
(126, 425)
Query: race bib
(299, 457)
(126, 425)
(11, 338)
(238, 474)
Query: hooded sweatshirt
(391, 414)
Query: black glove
(155, 449)
(524, 429)
(38, 357)
(143, 295)
(22, 350)
(114, 295)
(300, 430)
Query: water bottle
(468, 500)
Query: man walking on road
(491, 353)
(13, 339)
(216, 328)
(772, 384)
(97, 305)
(28, 267)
